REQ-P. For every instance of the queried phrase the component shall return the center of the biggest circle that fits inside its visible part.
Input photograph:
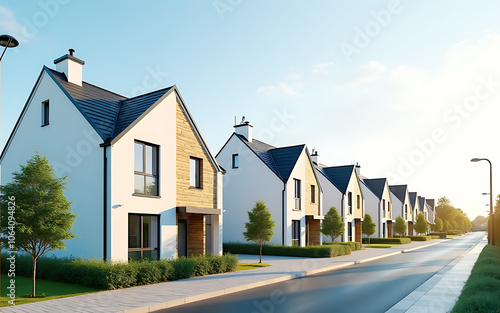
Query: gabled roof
(399, 191)
(421, 203)
(376, 185)
(280, 160)
(108, 112)
(431, 203)
(413, 199)
(338, 175)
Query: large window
(358, 202)
(349, 201)
(143, 236)
(349, 231)
(145, 169)
(195, 167)
(406, 211)
(297, 193)
(296, 233)
(235, 161)
(313, 194)
(383, 207)
(45, 113)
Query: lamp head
(8, 41)
(476, 160)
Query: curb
(217, 293)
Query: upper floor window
(195, 167)
(358, 202)
(349, 201)
(235, 161)
(383, 207)
(145, 169)
(45, 113)
(313, 194)
(297, 193)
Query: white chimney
(358, 168)
(70, 66)
(244, 129)
(314, 157)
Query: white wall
(250, 182)
(72, 146)
(158, 127)
(373, 207)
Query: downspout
(343, 216)
(104, 200)
(283, 214)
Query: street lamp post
(491, 235)
(7, 41)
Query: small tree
(400, 226)
(421, 225)
(332, 224)
(368, 227)
(438, 226)
(42, 214)
(260, 225)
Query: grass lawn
(53, 290)
(381, 246)
(250, 266)
(481, 292)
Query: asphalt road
(368, 287)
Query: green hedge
(308, 251)
(455, 232)
(354, 245)
(420, 238)
(105, 275)
(442, 235)
(399, 241)
(435, 237)
(481, 292)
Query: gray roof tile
(376, 185)
(399, 191)
(338, 175)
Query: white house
(431, 211)
(416, 209)
(378, 204)
(342, 190)
(141, 178)
(282, 177)
(401, 205)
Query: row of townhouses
(144, 184)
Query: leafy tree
(260, 225)
(400, 226)
(479, 220)
(438, 226)
(421, 225)
(446, 226)
(368, 227)
(332, 224)
(42, 214)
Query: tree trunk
(34, 277)
(260, 259)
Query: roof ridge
(285, 147)
(148, 93)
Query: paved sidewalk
(440, 292)
(159, 296)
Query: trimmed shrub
(106, 275)
(455, 232)
(435, 237)
(353, 244)
(420, 238)
(324, 251)
(398, 241)
(441, 235)
(480, 293)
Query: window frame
(199, 174)
(156, 153)
(297, 193)
(141, 233)
(235, 157)
(296, 229)
(313, 193)
(349, 201)
(45, 113)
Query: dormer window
(45, 113)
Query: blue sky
(410, 101)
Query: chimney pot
(71, 52)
